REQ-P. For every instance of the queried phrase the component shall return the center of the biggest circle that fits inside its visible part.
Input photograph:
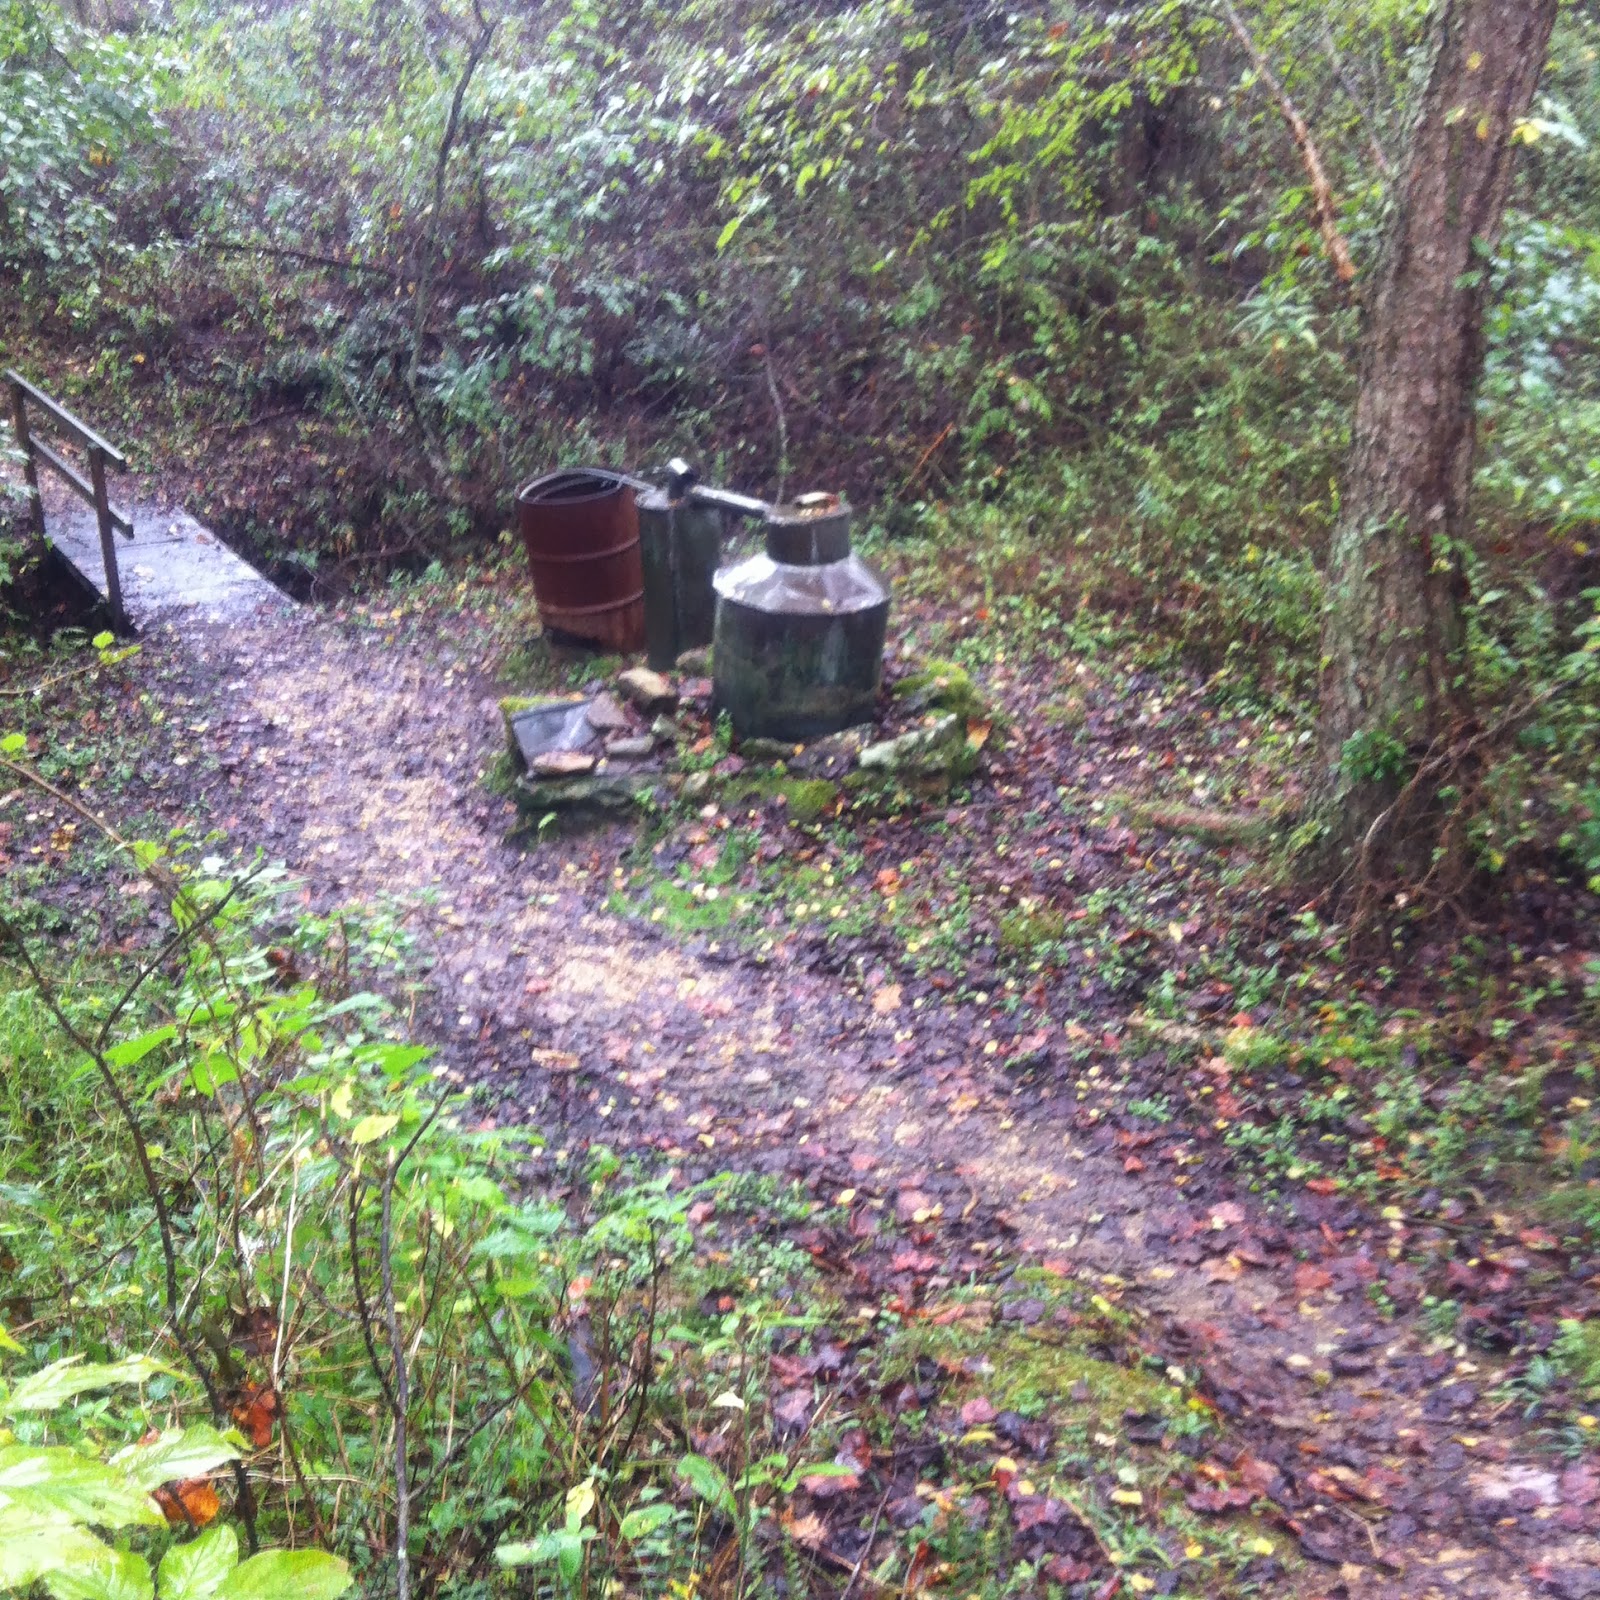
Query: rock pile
(653, 737)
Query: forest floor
(981, 1077)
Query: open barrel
(580, 527)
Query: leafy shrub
(53, 1498)
(80, 137)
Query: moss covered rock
(941, 686)
(808, 798)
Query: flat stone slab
(172, 565)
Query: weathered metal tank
(580, 527)
(680, 540)
(799, 629)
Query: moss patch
(941, 686)
(1024, 930)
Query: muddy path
(356, 761)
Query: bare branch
(1321, 190)
(452, 129)
(1380, 156)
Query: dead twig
(429, 251)
(927, 455)
(401, 1393)
(308, 257)
(866, 1549)
(1321, 189)
(1380, 156)
(782, 420)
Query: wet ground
(356, 759)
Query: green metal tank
(680, 541)
(799, 631)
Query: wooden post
(19, 422)
(108, 548)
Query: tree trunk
(1393, 631)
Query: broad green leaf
(725, 238)
(569, 1558)
(286, 1575)
(59, 1382)
(14, 744)
(136, 1049)
(194, 1571)
(642, 1521)
(707, 1481)
(564, 1546)
(373, 1127)
(53, 1480)
(545, 1548)
(8, 1343)
(32, 1544)
(179, 1453)
(396, 1060)
(117, 1575)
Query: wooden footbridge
(167, 563)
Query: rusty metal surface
(580, 528)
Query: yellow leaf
(8, 1343)
(1260, 1547)
(1127, 1497)
(1194, 1550)
(1475, 61)
(340, 1099)
(580, 1501)
(371, 1128)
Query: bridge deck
(171, 565)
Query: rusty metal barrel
(580, 527)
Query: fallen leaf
(255, 1414)
(792, 1408)
(1311, 1279)
(809, 1530)
(1219, 1499)
(192, 1502)
(975, 1413)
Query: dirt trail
(357, 763)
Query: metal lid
(811, 532)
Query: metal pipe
(682, 483)
(727, 500)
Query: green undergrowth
(1477, 1089)
(220, 1148)
(592, 1374)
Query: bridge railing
(99, 455)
